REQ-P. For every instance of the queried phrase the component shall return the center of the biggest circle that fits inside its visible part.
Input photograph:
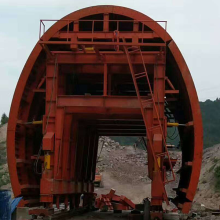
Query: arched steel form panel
(25, 140)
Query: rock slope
(4, 175)
(206, 192)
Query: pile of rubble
(127, 166)
(207, 194)
(123, 162)
(129, 162)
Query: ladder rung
(161, 154)
(154, 127)
(147, 100)
(140, 74)
(133, 51)
(133, 47)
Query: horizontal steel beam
(82, 113)
(114, 113)
(108, 102)
(99, 69)
(102, 43)
(109, 58)
(171, 91)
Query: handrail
(42, 23)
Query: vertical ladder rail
(137, 49)
(145, 122)
(157, 114)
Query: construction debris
(111, 201)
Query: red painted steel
(78, 81)
(111, 201)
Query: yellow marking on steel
(89, 48)
(37, 122)
(159, 163)
(47, 161)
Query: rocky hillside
(4, 175)
(208, 191)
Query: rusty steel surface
(78, 82)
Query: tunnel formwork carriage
(101, 71)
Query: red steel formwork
(101, 71)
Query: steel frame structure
(78, 81)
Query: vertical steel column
(73, 149)
(66, 146)
(88, 159)
(135, 29)
(109, 85)
(105, 81)
(76, 26)
(22, 153)
(85, 159)
(159, 93)
(46, 184)
(94, 159)
(79, 157)
(149, 116)
(106, 22)
(92, 148)
(73, 157)
(60, 113)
